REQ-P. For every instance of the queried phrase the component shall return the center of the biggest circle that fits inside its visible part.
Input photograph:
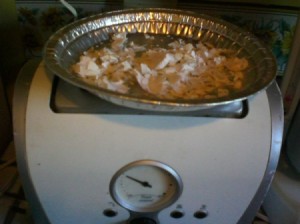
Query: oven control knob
(142, 221)
(201, 214)
(110, 212)
(177, 214)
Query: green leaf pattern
(276, 31)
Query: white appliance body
(68, 159)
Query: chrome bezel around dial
(147, 208)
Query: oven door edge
(277, 125)
(21, 92)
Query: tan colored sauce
(165, 67)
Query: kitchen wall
(39, 19)
(292, 3)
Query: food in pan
(164, 67)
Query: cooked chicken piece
(118, 86)
(182, 70)
(118, 41)
(152, 58)
(87, 67)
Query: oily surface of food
(165, 67)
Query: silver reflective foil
(66, 45)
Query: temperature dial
(146, 186)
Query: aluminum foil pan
(65, 46)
